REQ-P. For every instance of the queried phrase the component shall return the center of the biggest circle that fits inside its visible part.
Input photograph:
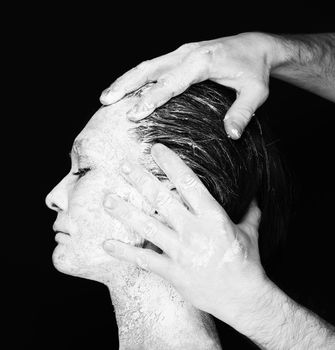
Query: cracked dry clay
(150, 313)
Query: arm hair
(280, 323)
(306, 60)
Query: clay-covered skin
(149, 312)
(99, 149)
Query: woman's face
(78, 199)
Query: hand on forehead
(107, 141)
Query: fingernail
(150, 231)
(126, 167)
(110, 246)
(235, 131)
(110, 203)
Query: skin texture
(149, 312)
(243, 62)
(212, 262)
(100, 146)
(202, 246)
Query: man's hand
(243, 62)
(213, 263)
(240, 62)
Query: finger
(128, 82)
(144, 258)
(188, 185)
(148, 227)
(157, 194)
(245, 105)
(171, 84)
(135, 78)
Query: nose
(57, 199)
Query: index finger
(189, 186)
(145, 72)
(157, 194)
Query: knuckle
(244, 113)
(208, 50)
(188, 181)
(166, 79)
(261, 88)
(150, 230)
(201, 56)
(143, 65)
(142, 260)
(173, 84)
(163, 198)
(188, 47)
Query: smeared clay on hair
(234, 172)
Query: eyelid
(82, 171)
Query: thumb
(244, 107)
(253, 216)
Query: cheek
(91, 224)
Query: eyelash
(81, 172)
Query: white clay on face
(103, 144)
(148, 309)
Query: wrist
(289, 50)
(275, 321)
(252, 300)
(276, 52)
(269, 48)
(262, 305)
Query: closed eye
(81, 172)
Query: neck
(151, 315)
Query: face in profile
(78, 199)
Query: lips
(58, 229)
(65, 233)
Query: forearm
(278, 322)
(306, 60)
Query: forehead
(110, 135)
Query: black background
(61, 58)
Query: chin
(98, 267)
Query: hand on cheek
(213, 263)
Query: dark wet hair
(234, 172)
